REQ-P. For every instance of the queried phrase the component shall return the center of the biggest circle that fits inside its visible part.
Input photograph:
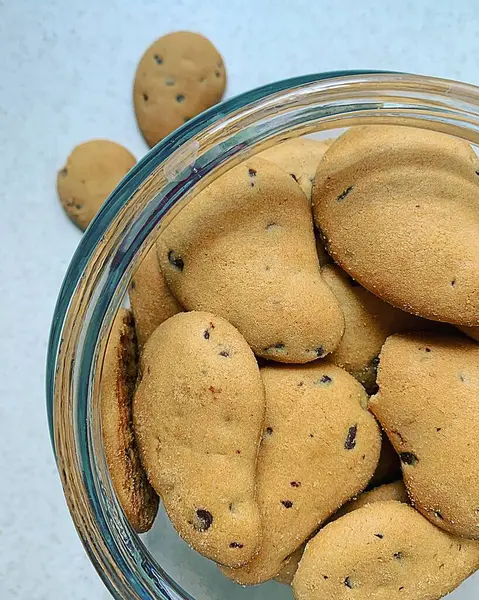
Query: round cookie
(92, 172)
(368, 322)
(118, 376)
(427, 403)
(151, 299)
(179, 76)
(383, 551)
(244, 249)
(198, 418)
(398, 208)
(299, 157)
(392, 491)
(320, 448)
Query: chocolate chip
(348, 584)
(205, 519)
(206, 334)
(252, 172)
(350, 441)
(379, 535)
(427, 349)
(145, 97)
(294, 177)
(180, 98)
(238, 451)
(158, 59)
(217, 74)
(278, 346)
(325, 380)
(300, 383)
(347, 191)
(224, 353)
(398, 555)
(453, 282)
(296, 484)
(169, 81)
(236, 545)
(269, 430)
(438, 429)
(461, 377)
(287, 503)
(325, 577)
(408, 458)
(319, 351)
(401, 588)
(271, 226)
(175, 260)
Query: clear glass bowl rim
(123, 563)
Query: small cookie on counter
(385, 551)
(299, 157)
(391, 491)
(151, 299)
(179, 76)
(368, 322)
(137, 498)
(198, 416)
(244, 249)
(320, 448)
(398, 208)
(91, 173)
(428, 405)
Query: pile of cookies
(298, 375)
(299, 342)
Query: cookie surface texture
(198, 416)
(91, 173)
(427, 403)
(368, 322)
(383, 551)
(179, 76)
(320, 447)
(399, 207)
(299, 157)
(151, 299)
(244, 248)
(137, 498)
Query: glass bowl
(159, 565)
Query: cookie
(427, 403)
(383, 551)
(320, 448)
(299, 157)
(178, 77)
(368, 322)
(392, 491)
(472, 332)
(198, 416)
(398, 207)
(244, 248)
(151, 299)
(135, 495)
(92, 172)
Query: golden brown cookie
(398, 207)
(179, 76)
(198, 416)
(92, 172)
(299, 157)
(136, 497)
(368, 322)
(151, 299)
(383, 551)
(391, 491)
(428, 405)
(320, 448)
(244, 248)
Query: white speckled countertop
(66, 70)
